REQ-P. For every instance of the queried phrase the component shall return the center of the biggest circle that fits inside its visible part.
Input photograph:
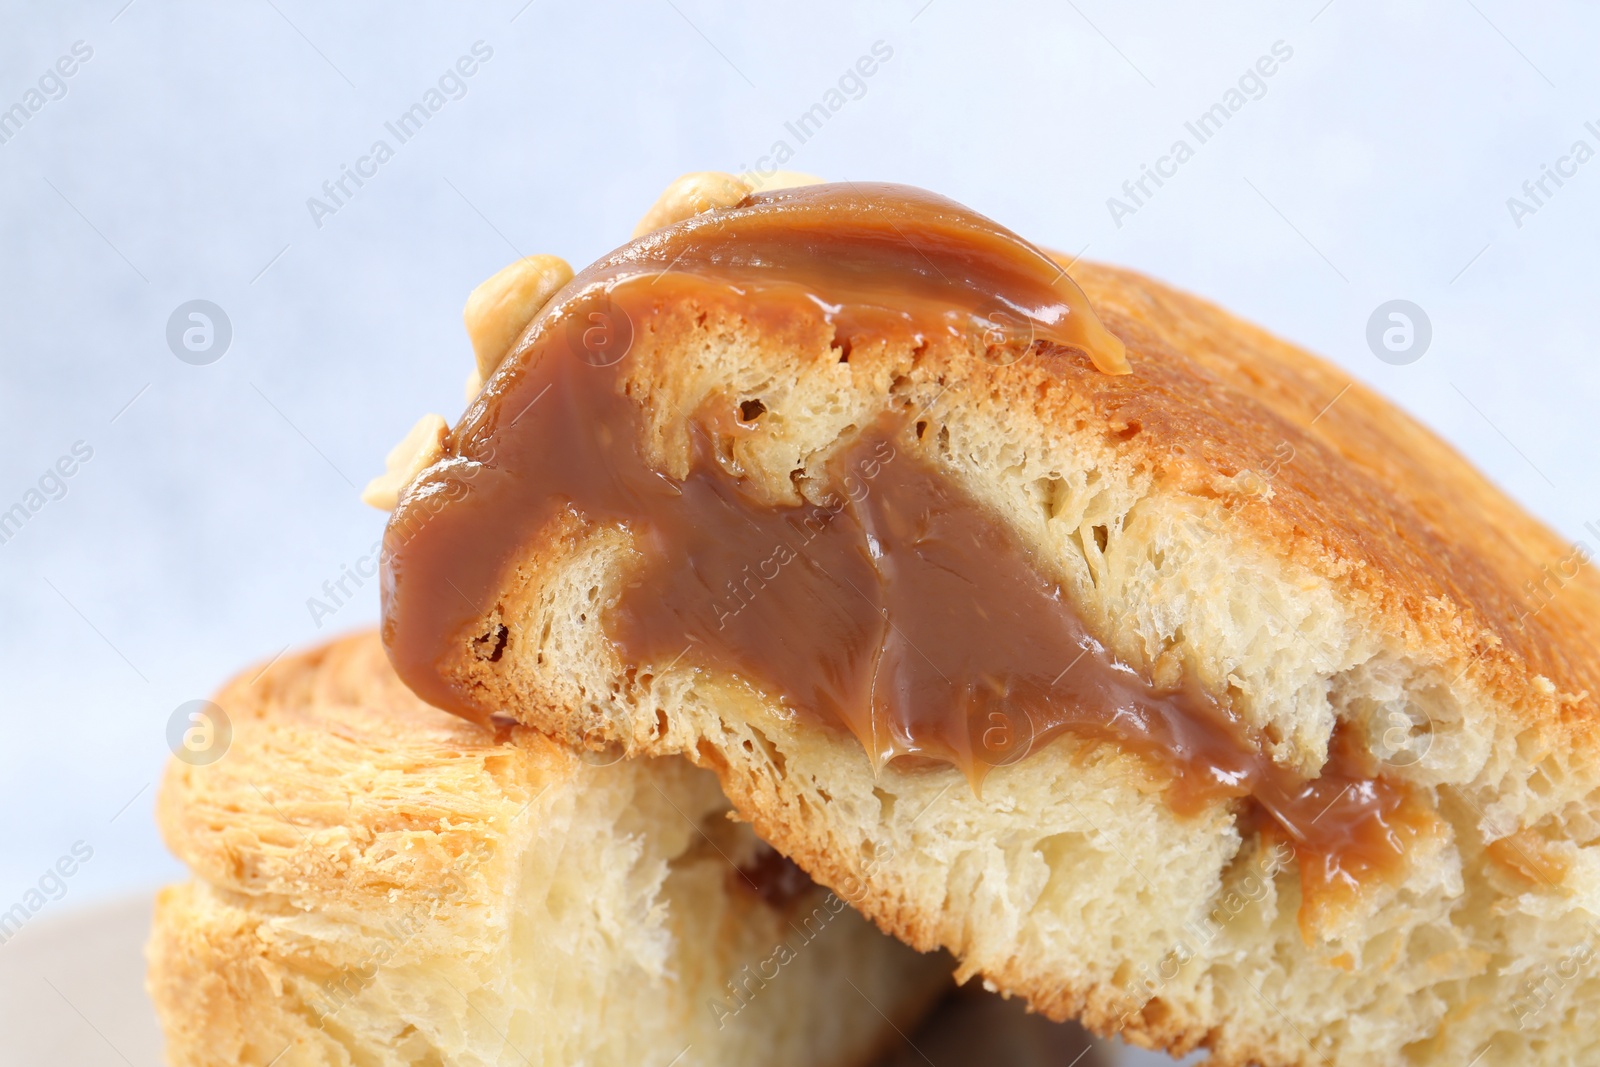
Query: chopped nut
(422, 444)
(778, 179)
(500, 309)
(689, 196)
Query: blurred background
(1339, 156)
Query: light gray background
(178, 165)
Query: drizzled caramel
(895, 606)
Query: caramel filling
(1528, 856)
(898, 608)
(774, 878)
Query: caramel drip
(897, 608)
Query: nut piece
(689, 196)
(500, 309)
(777, 179)
(422, 444)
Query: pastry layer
(377, 882)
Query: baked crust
(1374, 501)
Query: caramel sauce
(895, 606)
(1528, 856)
(773, 877)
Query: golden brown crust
(341, 786)
(1371, 497)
